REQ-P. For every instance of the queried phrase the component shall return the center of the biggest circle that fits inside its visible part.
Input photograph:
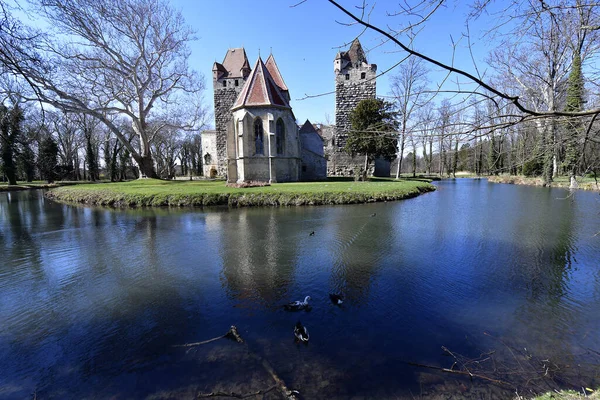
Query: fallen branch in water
(232, 333)
(458, 372)
(235, 395)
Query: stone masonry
(354, 81)
(224, 99)
(228, 80)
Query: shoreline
(138, 194)
(522, 180)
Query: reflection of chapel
(256, 137)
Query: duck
(298, 305)
(374, 214)
(336, 299)
(301, 333)
(312, 233)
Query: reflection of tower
(259, 255)
(354, 81)
(360, 248)
(228, 81)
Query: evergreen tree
(573, 126)
(26, 162)
(91, 158)
(373, 130)
(48, 159)
(10, 130)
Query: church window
(237, 83)
(280, 136)
(363, 75)
(224, 83)
(333, 141)
(347, 77)
(258, 137)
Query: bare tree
(408, 88)
(111, 57)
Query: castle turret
(229, 78)
(354, 81)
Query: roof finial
(259, 52)
(271, 51)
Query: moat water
(93, 301)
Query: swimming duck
(312, 233)
(301, 333)
(374, 214)
(336, 299)
(298, 305)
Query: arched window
(258, 137)
(280, 136)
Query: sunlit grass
(152, 192)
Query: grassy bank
(157, 193)
(560, 181)
(5, 187)
(569, 395)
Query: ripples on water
(93, 300)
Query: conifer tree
(10, 131)
(373, 130)
(573, 126)
(48, 159)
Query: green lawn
(151, 192)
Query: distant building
(209, 154)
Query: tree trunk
(146, 166)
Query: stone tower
(354, 81)
(228, 80)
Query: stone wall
(224, 97)
(314, 166)
(352, 85)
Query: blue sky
(306, 38)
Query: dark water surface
(93, 300)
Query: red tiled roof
(274, 71)
(235, 61)
(260, 89)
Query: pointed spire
(356, 52)
(260, 90)
(274, 71)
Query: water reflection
(94, 299)
(259, 255)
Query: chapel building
(256, 137)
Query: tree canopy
(373, 121)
